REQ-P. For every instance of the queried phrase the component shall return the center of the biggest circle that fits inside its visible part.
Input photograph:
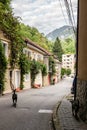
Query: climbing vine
(52, 66)
(34, 69)
(11, 27)
(52, 69)
(43, 69)
(24, 64)
(3, 66)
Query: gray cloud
(45, 15)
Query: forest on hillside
(33, 34)
(68, 45)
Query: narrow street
(34, 107)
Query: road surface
(34, 108)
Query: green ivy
(10, 25)
(24, 64)
(52, 69)
(34, 69)
(43, 69)
(3, 67)
(52, 66)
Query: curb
(55, 119)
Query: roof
(28, 41)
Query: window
(27, 52)
(5, 46)
(39, 57)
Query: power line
(68, 12)
(62, 11)
(72, 12)
(60, 2)
(69, 15)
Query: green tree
(63, 72)
(34, 35)
(5, 4)
(68, 72)
(57, 49)
(68, 46)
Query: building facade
(81, 91)
(16, 72)
(68, 62)
(32, 51)
(58, 66)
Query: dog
(14, 97)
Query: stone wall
(82, 96)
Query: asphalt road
(34, 108)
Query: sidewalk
(63, 118)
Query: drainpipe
(77, 49)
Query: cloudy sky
(45, 15)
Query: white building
(68, 62)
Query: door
(17, 79)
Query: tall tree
(57, 49)
(34, 35)
(68, 46)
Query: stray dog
(75, 107)
(14, 97)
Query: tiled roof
(28, 41)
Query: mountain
(62, 32)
